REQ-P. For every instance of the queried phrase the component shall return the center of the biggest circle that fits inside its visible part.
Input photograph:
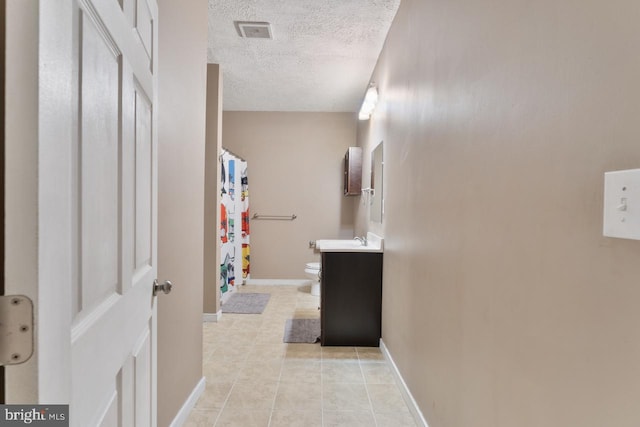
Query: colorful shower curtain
(244, 200)
(234, 249)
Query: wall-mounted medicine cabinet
(353, 171)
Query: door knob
(165, 287)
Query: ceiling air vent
(254, 30)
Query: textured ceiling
(320, 59)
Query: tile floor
(254, 379)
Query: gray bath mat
(246, 303)
(302, 330)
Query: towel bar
(275, 217)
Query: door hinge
(16, 329)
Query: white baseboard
(408, 397)
(273, 282)
(211, 317)
(183, 413)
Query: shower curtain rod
(233, 154)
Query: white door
(97, 209)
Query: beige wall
(181, 148)
(211, 303)
(21, 179)
(294, 167)
(503, 303)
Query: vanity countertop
(374, 244)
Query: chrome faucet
(362, 240)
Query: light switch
(622, 204)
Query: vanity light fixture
(369, 103)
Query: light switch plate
(622, 204)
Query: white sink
(374, 244)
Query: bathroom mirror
(376, 207)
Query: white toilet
(312, 271)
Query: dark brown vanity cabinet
(353, 171)
(351, 299)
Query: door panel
(100, 85)
(143, 173)
(126, 401)
(113, 337)
(142, 384)
(92, 191)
